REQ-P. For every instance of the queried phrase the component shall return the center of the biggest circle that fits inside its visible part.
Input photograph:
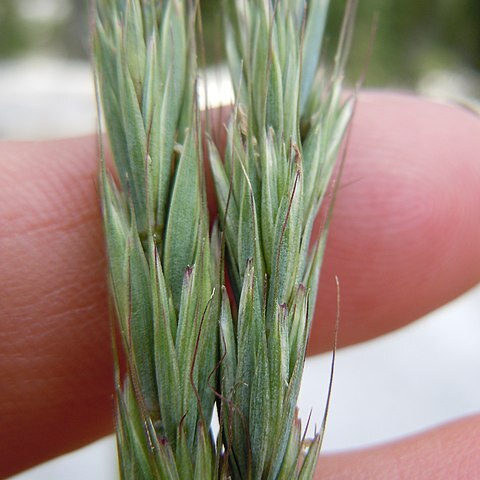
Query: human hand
(405, 239)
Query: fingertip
(405, 233)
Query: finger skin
(404, 240)
(55, 357)
(405, 235)
(451, 452)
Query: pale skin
(405, 239)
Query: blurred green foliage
(13, 35)
(412, 36)
(62, 30)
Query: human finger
(56, 368)
(405, 235)
(445, 453)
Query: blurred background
(399, 384)
(431, 46)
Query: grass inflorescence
(188, 342)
